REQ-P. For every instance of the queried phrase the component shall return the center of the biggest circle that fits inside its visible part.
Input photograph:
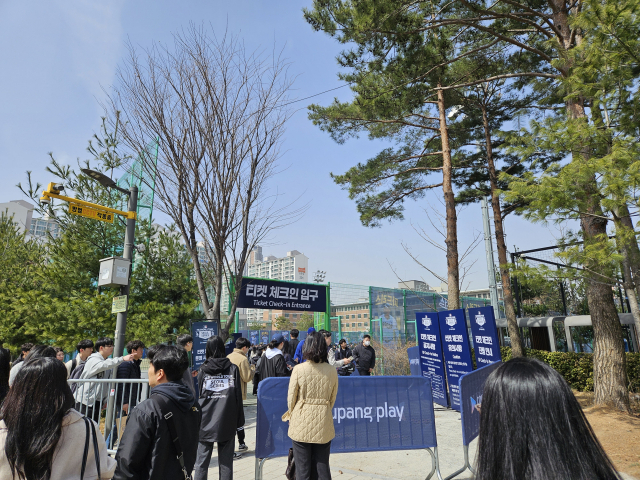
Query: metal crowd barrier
(109, 396)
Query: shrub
(577, 368)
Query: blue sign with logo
(457, 354)
(471, 387)
(277, 295)
(430, 348)
(201, 331)
(253, 337)
(370, 413)
(264, 336)
(485, 339)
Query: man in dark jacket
(147, 450)
(365, 355)
(293, 343)
(220, 387)
(342, 356)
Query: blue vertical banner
(414, 361)
(264, 336)
(430, 348)
(285, 334)
(201, 331)
(457, 354)
(485, 338)
(254, 335)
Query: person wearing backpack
(84, 348)
(160, 441)
(220, 387)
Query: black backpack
(75, 374)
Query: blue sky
(57, 56)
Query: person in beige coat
(41, 435)
(239, 358)
(312, 393)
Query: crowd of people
(531, 425)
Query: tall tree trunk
(517, 349)
(632, 245)
(453, 273)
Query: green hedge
(577, 368)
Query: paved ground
(397, 465)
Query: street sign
(119, 304)
(89, 212)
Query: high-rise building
(293, 268)
(22, 213)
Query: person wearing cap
(298, 355)
(272, 363)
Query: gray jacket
(95, 367)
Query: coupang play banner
(455, 346)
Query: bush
(577, 368)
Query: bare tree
(218, 113)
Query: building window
(366, 315)
(359, 316)
(359, 324)
(286, 315)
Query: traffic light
(54, 188)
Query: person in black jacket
(222, 414)
(343, 352)
(365, 356)
(273, 363)
(147, 450)
(293, 343)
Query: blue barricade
(370, 414)
(471, 386)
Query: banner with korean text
(277, 295)
(457, 353)
(254, 337)
(485, 338)
(430, 347)
(370, 413)
(201, 331)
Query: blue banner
(278, 295)
(201, 331)
(431, 355)
(471, 387)
(254, 336)
(370, 413)
(414, 361)
(485, 338)
(455, 346)
(264, 336)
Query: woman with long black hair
(221, 405)
(532, 428)
(41, 436)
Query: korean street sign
(119, 304)
(89, 212)
(274, 294)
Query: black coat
(129, 369)
(220, 400)
(146, 451)
(275, 366)
(366, 356)
(293, 344)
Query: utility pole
(127, 254)
(491, 267)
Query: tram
(564, 334)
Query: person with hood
(220, 387)
(298, 355)
(148, 450)
(272, 363)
